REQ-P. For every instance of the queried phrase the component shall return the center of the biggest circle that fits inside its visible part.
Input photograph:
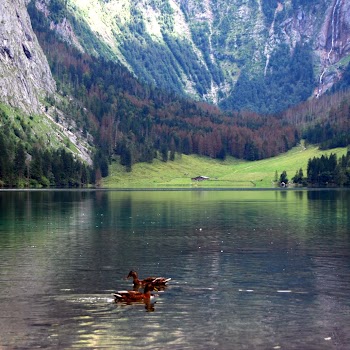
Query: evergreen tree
(36, 165)
(298, 177)
(126, 158)
(5, 168)
(164, 152)
(284, 177)
(19, 161)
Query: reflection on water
(249, 269)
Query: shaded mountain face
(25, 75)
(241, 54)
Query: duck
(155, 281)
(131, 296)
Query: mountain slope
(31, 126)
(208, 49)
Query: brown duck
(131, 296)
(154, 281)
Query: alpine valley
(87, 82)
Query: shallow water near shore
(249, 269)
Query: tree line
(23, 165)
(324, 171)
(324, 120)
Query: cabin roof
(201, 177)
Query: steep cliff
(25, 75)
(26, 79)
(333, 44)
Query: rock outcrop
(25, 75)
(333, 43)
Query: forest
(132, 121)
(325, 120)
(325, 171)
(288, 81)
(138, 122)
(24, 163)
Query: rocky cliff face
(25, 75)
(325, 25)
(333, 44)
(253, 33)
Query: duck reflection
(149, 306)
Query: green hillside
(231, 173)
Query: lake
(265, 269)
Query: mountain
(262, 55)
(85, 83)
(26, 79)
(24, 70)
(39, 143)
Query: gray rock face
(24, 71)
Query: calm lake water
(249, 269)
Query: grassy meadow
(231, 173)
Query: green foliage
(298, 178)
(200, 35)
(268, 8)
(344, 83)
(153, 62)
(162, 66)
(39, 168)
(25, 159)
(101, 163)
(165, 152)
(126, 156)
(284, 177)
(58, 9)
(289, 80)
(327, 135)
(333, 130)
(321, 171)
(58, 12)
(326, 171)
(303, 3)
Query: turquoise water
(249, 269)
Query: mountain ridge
(190, 47)
(201, 48)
